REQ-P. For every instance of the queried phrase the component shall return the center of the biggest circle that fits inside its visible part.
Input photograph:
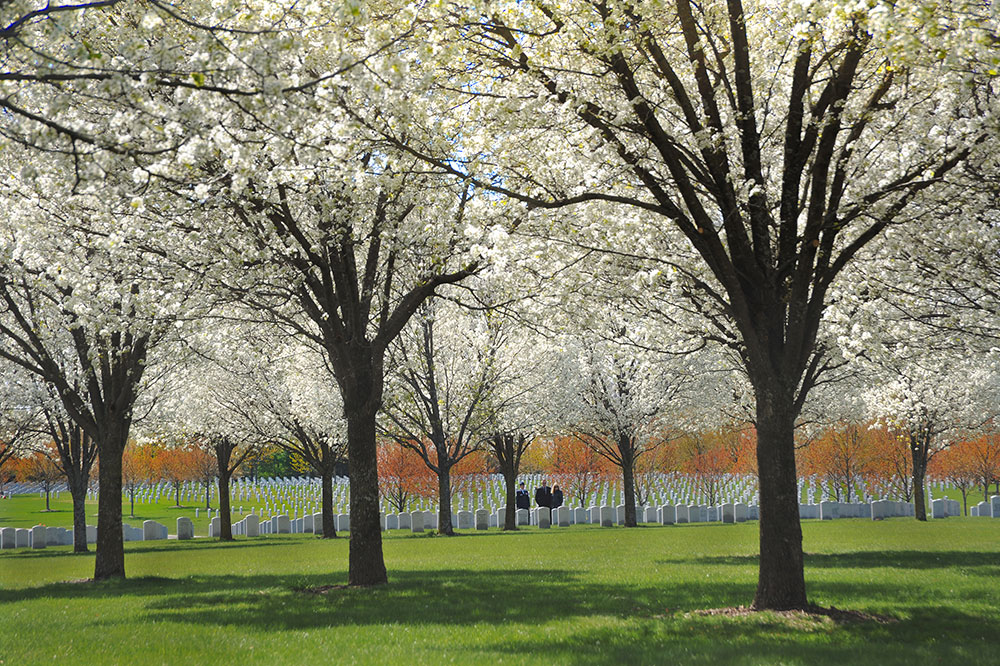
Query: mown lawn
(579, 595)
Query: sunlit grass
(579, 595)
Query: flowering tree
(617, 402)
(764, 144)
(931, 400)
(446, 369)
(76, 452)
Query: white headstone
(252, 525)
(682, 513)
(284, 524)
(160, 531)
(465, 520)
(416, 521)
(667, 514)
(543, 517)
(22, 538)
(404, 521)
(562, 515)
(607, 516)
(482, 519)
(317, 523)
(938, 508)
(729, 513)
(829, 510)
(523, 518)
(185, 528)
(8, 538)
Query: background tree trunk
(510, 481)
(444, 505)
(329, 524)
(628, 478)
(919, 475)
(78, 490)
(225, 513)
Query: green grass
(582, 595)
(29, 510)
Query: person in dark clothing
(557, 497)
(521, 498)
(543, 495)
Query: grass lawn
(29, 510)
(582, 595)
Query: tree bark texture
(366, 565)
(781, 578)
(110, 560)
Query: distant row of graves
(253, 525)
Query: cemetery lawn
(578, 595)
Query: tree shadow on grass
(599, 622)
(159, 546)
(985, 561)
(939, 635)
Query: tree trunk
(225, 513)
(919, 472)
(781, 578)
(110, 560)
(177, 490)
(510, 516)
(628, 480)
(78, 491)
(48, 491)
(329, 524)
(444, 505)
(366, 565)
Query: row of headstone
(41, 536)
(987, 509)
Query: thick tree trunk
(628, 480)
(781, 577)
(444, 506)
(329, 524)
(366, 565)
(78, 491)
(110, 560)
(510, 516)
(225, 513)
(177, 495)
